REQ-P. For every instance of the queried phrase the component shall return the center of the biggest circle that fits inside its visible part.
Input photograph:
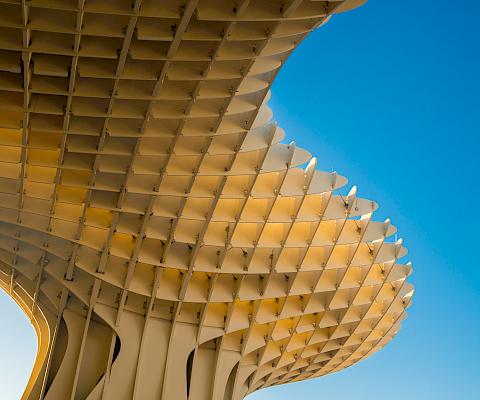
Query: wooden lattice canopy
(163, 239)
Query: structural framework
(164, 241)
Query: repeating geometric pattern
(164, 240)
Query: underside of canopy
(162, 237)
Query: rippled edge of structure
(163, 240)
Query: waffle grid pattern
(163, 238)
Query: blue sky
(17, 349)
(389, 96)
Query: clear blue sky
(388, 96)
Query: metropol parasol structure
(163, 238)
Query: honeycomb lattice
(163, 239)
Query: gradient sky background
(389, 96)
